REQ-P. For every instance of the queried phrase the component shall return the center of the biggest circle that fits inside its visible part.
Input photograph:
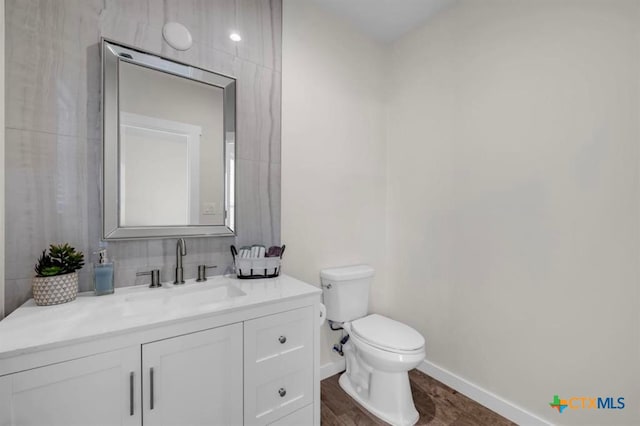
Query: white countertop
(31, 327)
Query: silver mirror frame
(112, 54)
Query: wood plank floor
(437, 404)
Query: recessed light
(235, 37)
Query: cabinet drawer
(302, 417)
(280, 334)
(278, 358)
(283, 392)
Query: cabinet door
(195, 379)
(101, 389)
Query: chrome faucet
(181, 250)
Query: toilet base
(409, 418)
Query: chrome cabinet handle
(131, 393)
(282, 339)
(282, 392)
(151, 386)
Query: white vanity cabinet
(252, 359)
(96, 390)
(195, 379)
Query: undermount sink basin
(206, 294)
(179, 295)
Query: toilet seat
(387, 334)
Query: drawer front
(302, 417)
(278, 395)
(278, 359)
(281, 334)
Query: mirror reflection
(171, 149)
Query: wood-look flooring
(437, 404)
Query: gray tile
(125, 276)
(85, 278)
(209, 21)
(168, 272)
(258, 203)
(60, 21)
(275, 200)
(16, 292)
(127, 254)
(275, 41)
(132, 33)
(200, 251)
(94, 192)
(47, 58)
(162, 255)
(259, 115)
(211, 245)
(148, 12)
(220, 258)
(260, 25)
(45, 196)
(161, 252)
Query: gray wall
(53, 125)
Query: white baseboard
(482, 396)
(331, 368)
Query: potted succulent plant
(56, 279)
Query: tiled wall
(53, 125)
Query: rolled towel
(257, 251)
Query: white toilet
(379, 352)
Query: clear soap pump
(103, 274)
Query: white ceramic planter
(55, 290)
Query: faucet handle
(202, 272)
(155, 277)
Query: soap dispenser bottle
(103, 274)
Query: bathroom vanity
(225, 352)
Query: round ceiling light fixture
(235, 37)
(177, 36)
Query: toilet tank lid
(345, 273)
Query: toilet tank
(346, 291)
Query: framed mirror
(168, 147)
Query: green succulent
(61, 259)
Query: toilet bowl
(377, 374)
(379, 352)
